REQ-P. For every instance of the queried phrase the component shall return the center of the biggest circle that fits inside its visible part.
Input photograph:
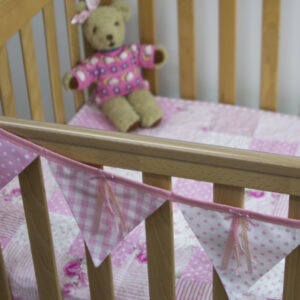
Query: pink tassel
(107, 196)
(237, 241)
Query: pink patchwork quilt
(197, 122)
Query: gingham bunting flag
(241, 249)
(101, 229)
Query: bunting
(242, 245)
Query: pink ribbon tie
(107, 196)
(238, 241)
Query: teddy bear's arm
(84, 76)
(160, 56)
(81, 76)
(70, 82)
(152, 56)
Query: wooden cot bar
(227, 166)
(233, 196)
(39, 230)
(53, 62)
(147, 29)
(14, 14)
(227, 51)
(100, 279)
(291, 289)
(31, 73)
(4, 285)
(159, 226)
(74, 47)
(8, 102)
(187, 49)
(160, 244)
(270, 54)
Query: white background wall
(248, 54)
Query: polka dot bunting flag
(13, 160)
(242, 249)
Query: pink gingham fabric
(101, 232)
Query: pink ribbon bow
(238, 241)
(107, 196)
(82, 17)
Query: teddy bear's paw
(153, 119)
(69, 81)
(160, 56)
(146, 107)
(121, 114)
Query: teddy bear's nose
(109, 37)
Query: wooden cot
(230, 170)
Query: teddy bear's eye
(117, 23)
(95, 29)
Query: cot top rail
(165, 157)
(44, 132)
(15, 14)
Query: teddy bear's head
(104, 29)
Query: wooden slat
(270, 54)
(291, 290)
(31, 73)
(148, 36)
(5, 293)
(74, 47)
(53, 62)
(14, 14)
(227, 51)
(264, 171)
(6, 88)
(187, 49)
(100, 279)
(38, 224)
(232, 196)
(160, 244)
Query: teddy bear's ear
(81, 6)
(124, 8)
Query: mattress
(197, 122)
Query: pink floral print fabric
(116, 73)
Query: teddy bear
(121, 92)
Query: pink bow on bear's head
(82, 17)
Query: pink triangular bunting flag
(242, 249)
(103, 222)
(13, 160)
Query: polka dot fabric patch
(13, 160)
(240, 264)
